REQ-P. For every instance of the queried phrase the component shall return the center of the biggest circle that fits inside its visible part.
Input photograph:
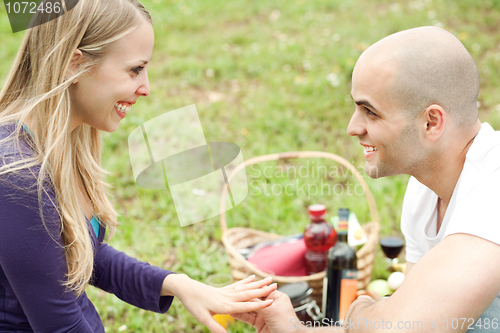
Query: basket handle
(299, 154)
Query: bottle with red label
(319, 237)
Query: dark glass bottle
(319, 237)
(341, 282)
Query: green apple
(381, 287)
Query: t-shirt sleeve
(33, 260)
(478, 212)
(408, 225)
(135, 282)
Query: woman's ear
(75, 61)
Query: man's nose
(356, 126)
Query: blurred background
(270, 76)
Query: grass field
(271, 76)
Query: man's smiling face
(390, 139)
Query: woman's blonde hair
(36, 93)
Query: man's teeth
(123, 108)
(369, 149)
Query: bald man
(416, 113)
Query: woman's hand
(280, 317)
(204, 301)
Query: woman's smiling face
(102, 97)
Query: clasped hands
(256, 303)
(204, 301)
(280, 317)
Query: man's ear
(76, 60)
(435, 120)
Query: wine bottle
(341, 276)
(319, 237)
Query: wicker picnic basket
(240, 238)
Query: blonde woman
(73, 77)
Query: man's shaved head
(430, 66)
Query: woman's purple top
(32, 262)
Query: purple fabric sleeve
(32, 265)
(131, 280)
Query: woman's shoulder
(14, 147)
(15, 153)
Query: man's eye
(138, 69)
(370, 113)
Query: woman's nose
(143, 89)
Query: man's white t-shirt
(474, 207)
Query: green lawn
(270, 76)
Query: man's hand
(357, 307)
(280, 317)
(204, 301)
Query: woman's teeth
(369, 149)
(123, 108)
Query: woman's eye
(138, 69)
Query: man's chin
(372, 171)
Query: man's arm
(454, 282)
(450, 286)
(409, 266)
